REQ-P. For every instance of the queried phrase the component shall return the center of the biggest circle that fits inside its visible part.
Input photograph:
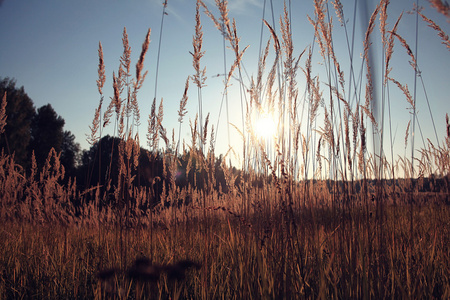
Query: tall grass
(312, 212)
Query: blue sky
(50, 48)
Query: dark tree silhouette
(70, 153)
(46, 132)
(100, 166)
(90, 172)
(20, 111)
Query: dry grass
(316, 215)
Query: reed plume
(101, 69)
(444, 37)
(339, 10)
(407, 48)
(140, 63)
(390, 48)
(407, 133)
(405, 90)
(441, 7)
(182, 109)
(96, 122)
(367, 43)
(197, 41)
(93, 138)
(153, 126)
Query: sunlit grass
(312, 212)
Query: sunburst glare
(265, 127)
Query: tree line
(31, 131)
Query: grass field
(317, 215)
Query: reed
(312, 212)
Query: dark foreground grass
(321, 254)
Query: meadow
(316, 211)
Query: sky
(50, 48)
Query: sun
(265, 127)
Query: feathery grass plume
(93, 138)
(407, 48)
(441, 33)
(347, 114)
(383, 17)
(140, 63)
(152, 132)
(339, 11)
(271, 168)
(139, 80)
(125, 60)
(270, 98)
(182, 110)
(197, 41)
(315, 99)
(223, 9)
(288, 46)
(441, 7)
(128, 147)
(3, 115)
(390, 48)
(121, 129)
(160, 127)
(319, 25)
(308, 70)
(369, 114)
(136, 150)
(327, 133)
(160, 115)
(405, 91)
(236, 64)
(407, 134)
(326, 36)
(101, 69)
(235, 42)
(367, 43)
(338, 68)
(227, 28)
(199, 77)
(116, 102)
(318, 157)
(163, 134)
(212, 141)
(291, 66)
(194, 132)
(135, 108)
(53, 160)
(261, 68)
(205, 131)
(124, 75)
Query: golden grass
(265, 258)
(321, 216)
